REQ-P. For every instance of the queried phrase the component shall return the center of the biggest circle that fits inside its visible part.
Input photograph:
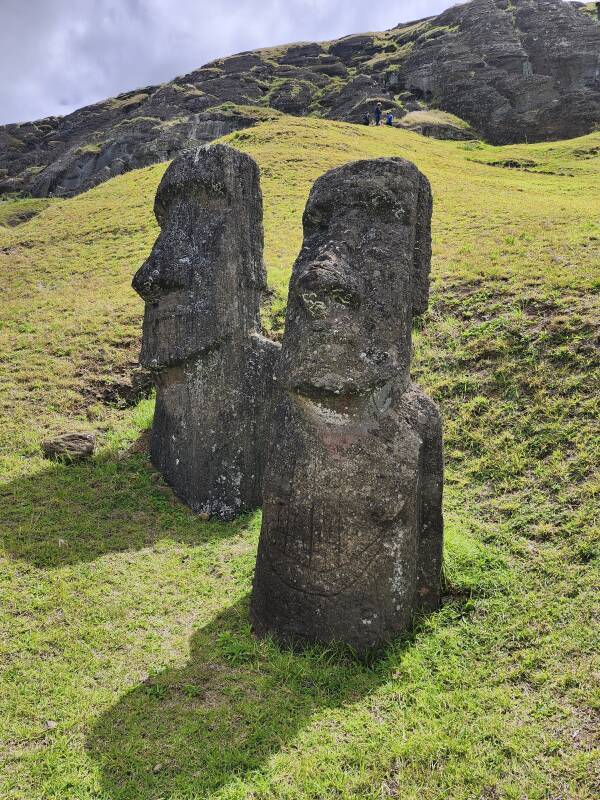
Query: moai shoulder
(202, 286)
(350, 546)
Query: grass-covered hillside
(128, 669)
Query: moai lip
(351, 539)
(202, 286)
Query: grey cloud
(58, 55)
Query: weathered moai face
(361, 275)
(352, 486)
(203, 279)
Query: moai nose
(146, 281)
(160, 274)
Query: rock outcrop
(515, 70)
(202, 286)
(351, 540)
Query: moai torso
(350, 546)
(202, 285)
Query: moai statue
(351, 541)
(202, 285)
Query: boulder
(437, 125)
(69, 447)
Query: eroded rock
(516, 70)
(351, 540)
(202, 285)
(69, 447)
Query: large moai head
(350, 545)
(202, 286)
(362, 273)
(203, 280)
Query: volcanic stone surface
(69, 447)
(515, 70)
(202, 286)
(351, 540)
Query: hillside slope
(127, 666)
(516, 70)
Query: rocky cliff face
(515, 70)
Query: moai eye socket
(317, 217)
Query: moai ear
(422, 249)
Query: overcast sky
(59, 55)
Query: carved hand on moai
(350, 546)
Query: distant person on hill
(389, 120)
(366, 119)
(378, 114)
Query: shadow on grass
(65, 514)
(190, 731)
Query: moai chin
(202, 286)
(351, 541)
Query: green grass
(127, 102)
(16, 211)
(589, 8)
(433, 117)
(128, 667)
(255, 113)
(93, 148)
